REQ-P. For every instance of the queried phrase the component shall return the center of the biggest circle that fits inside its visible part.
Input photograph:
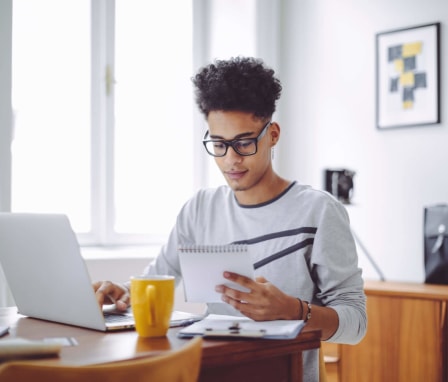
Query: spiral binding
(218, 248)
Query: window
(51, 103)
(103, 104)
(105, 129)
(153, 114)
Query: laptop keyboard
(117, 317)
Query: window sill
(121, 252)
(117, 263)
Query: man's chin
(235, 185)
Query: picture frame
(408, 77)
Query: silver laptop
(42, 263)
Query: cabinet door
(404, 342)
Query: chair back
(181, 365)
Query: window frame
(102, 126)
(102, 105)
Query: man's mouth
(235, 175)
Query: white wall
(5, 101)
(327, 116)
(5, 123)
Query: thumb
(260, 279)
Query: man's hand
(263, 302)
(108, 292)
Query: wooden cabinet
(331, 359)
(406, 338)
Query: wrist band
(301, 308)
(308, 314)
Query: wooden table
(222, 360)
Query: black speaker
(339, 182)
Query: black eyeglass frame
(233, 142)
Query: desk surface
(98, 347)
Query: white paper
(202, 271)
(277, 329)
(179, 318)
(17, 347)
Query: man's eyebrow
(239, 136)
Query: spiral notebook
(203, 267)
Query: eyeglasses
(244, 147)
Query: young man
(301, 240)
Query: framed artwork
(408, 77)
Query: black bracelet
(301, 308)
(308, 314)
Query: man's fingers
(121, 305)
(239, 279)
(108, 292)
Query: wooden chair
(182, 365)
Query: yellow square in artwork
(399, 65)
(408, 104)
(412, 49)
(407, 79)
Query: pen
(186, 322)
(189, 321)
(4, 330)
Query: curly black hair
(238, 84)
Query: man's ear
(274, 133)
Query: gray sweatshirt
(300, 241)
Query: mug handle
(151, 299)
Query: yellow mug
(152, 300)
